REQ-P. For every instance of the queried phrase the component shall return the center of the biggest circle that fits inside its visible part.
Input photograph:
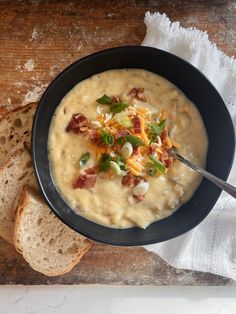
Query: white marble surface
(116, 300)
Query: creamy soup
(165, 186)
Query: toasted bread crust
(20, 205)
(9, 113)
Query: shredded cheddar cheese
(143, 133)
(133, 171)
(134, 165)
(175, 144)
(159, 150)
(168, 142)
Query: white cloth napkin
(211, 246)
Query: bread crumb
(34, 34)
(33, 95)
(29, 65)
(80, 47)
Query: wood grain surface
(105, 264)
(40, 38)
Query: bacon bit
(117, 148)
(121, 132)
(168, 162)
(128, 180)
(115, 99)
(152, 148)
(164, 135)
(78, 123)
(138, 93)
(93, 134)
(100, 143)
(85, 181)
(92, 170)
(137, 125)
(164, 156)
(135, 150)
(95, 138)
(133, 92)
(139, 198)
(137, 180)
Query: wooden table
(40, 38)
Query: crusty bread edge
(4, 115)
(23, 200)
(22, 203)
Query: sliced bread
(48, 245)
(15, 172)
(15, 129)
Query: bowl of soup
(102, 140)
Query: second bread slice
(48, 245)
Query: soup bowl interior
(195, 86)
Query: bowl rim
(63, 218)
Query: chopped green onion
(158, 164)
(107, 138)
(123, 119)
(156, 129)
(118, 107)
(84, 159)
(121, 140)
(162, 124)
(120, 162)
(151, 170)
(134, 140)
(104, 162)
(115, 168)
(104, 100)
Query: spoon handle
(230, 189)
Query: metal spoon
(217, 181)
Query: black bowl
(195, 86)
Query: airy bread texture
(15, 172)
(48, 245)
(15, 129)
